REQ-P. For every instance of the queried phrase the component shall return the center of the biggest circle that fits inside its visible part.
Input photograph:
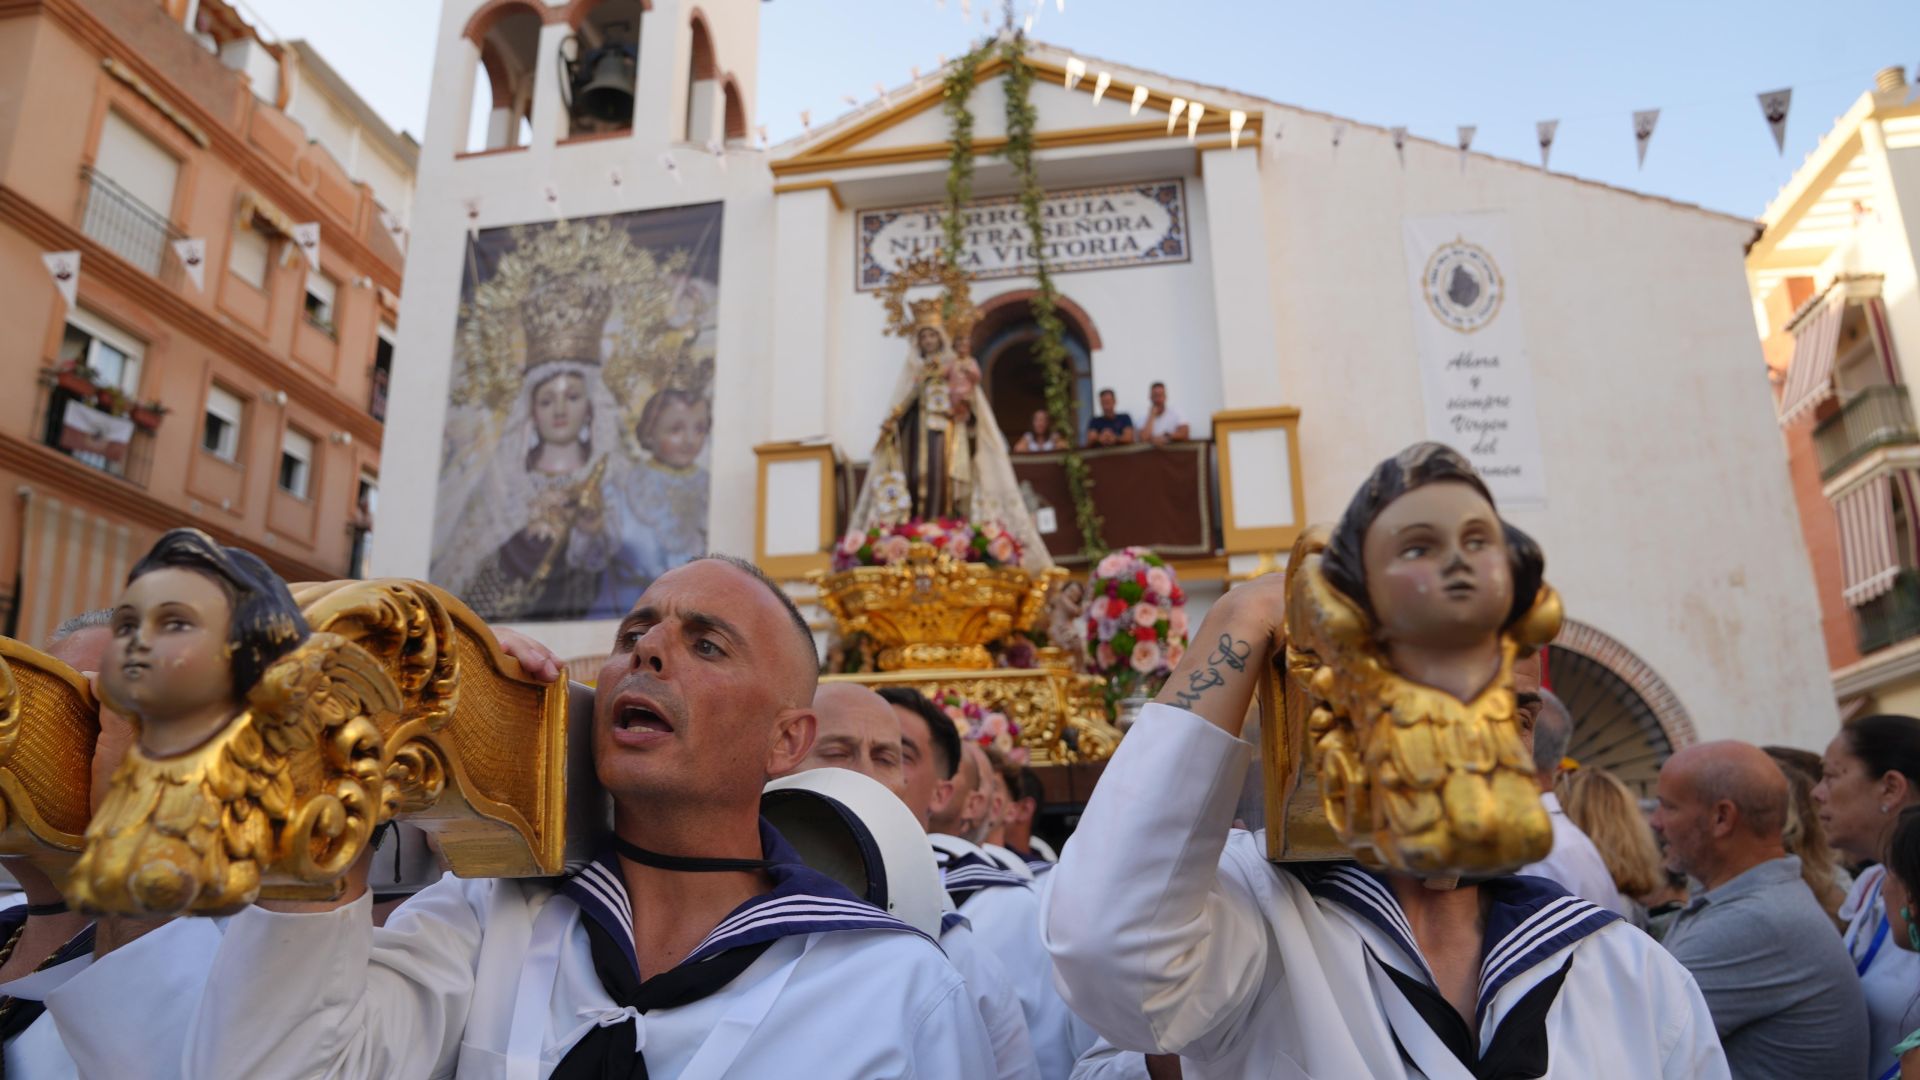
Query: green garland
(955, 96)
(1051, 346)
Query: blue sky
(1498, 64)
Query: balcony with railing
(97, 427)
(1892, 617)
(1876, 417)
(126, 226)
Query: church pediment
(911, 126)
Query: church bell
(600, 83)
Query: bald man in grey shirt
(1783, 994)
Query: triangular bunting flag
(1076, 70)
(65, 268)
(192, 253)
(1643, 122)
(1773, 106)
(1139, 99)
(1466, 132)
(1544, 131)
(307, 236)
(1400, 143)
(1175, 110)
(1100, 86)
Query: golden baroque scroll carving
(400, 704)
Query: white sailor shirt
(1172, 933)
(994, 995)
(495, 978)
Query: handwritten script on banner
(1085, 229)
(1471, 348)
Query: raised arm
(323, 993)
(1152, 946)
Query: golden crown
(564, 320)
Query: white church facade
(1591, 347)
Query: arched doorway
(1012, 376)
(1626, 719)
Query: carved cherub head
(1426, 557)
(192, 632)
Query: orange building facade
(249, 404)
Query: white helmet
(851, 828)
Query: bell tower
(536, 73)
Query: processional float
(327, 710)
(940, 476)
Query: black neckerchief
(1518, 1050)
(802, 901)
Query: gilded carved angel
(227, 687)
(1403, 626)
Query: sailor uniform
(1039, 856)
(993, 994)
(1005, 912)
(1106, 1061)
(1006, 858)
(125, 1014)
(1172, 933)
(527, 979)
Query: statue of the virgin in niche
(940, 454)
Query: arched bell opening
(705, 117)
(507, 38)
(599, 64)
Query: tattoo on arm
(1230, 653)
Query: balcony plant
(90, 389)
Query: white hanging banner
(307, 236)
(192, 253)
(1643, 122)
(1466, 143)
(1773, 106)
(1400, 143)
(1471, 348)
(65, 268)
(1544, 131)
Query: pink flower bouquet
(1136, 622)
(985, 726)
(887, 545)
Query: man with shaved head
(1573, 862)
(856, 730)
(868, 733)
(695, 943)
(1783, 993)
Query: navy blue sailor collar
(965, 871)
(1528, 918)
(802, 901)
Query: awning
(1869, 561)
(252, 207)
(1810, 373)
(71, 561)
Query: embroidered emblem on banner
(1463, 286)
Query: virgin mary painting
(564, 336)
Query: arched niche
(1004, 335)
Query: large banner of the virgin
(575, 464)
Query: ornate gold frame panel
(1046, 703)
(49, 724)
(505, 749)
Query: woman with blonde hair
(1805, 836)
(1608, 813)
